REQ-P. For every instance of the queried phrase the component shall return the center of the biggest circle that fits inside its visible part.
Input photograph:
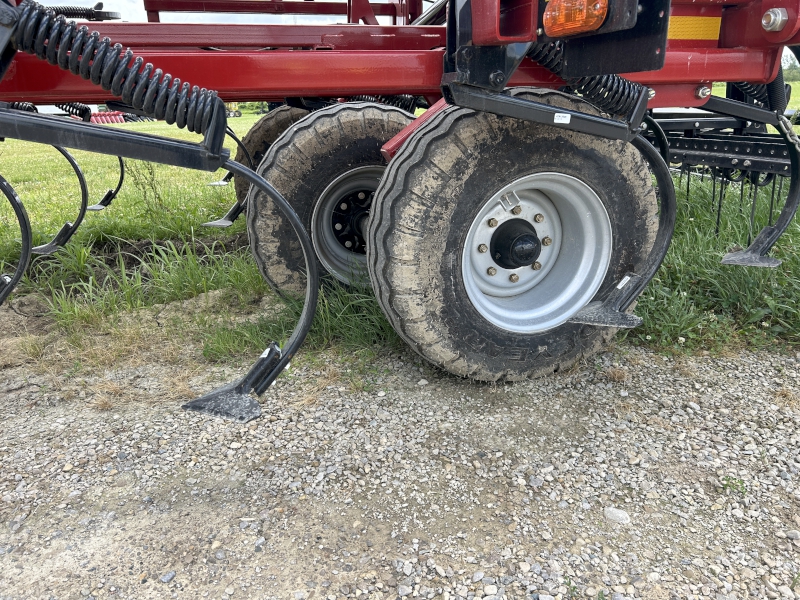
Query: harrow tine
(741, 196)
(713, 188)
(688, 180)
(723, 188)
(772, 199)
(68, 229)
(753, 202)
(111, 194)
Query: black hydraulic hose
(94, 13)
(74, 48)
(232, 134)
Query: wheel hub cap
(515, 244)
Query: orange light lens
(570, 17)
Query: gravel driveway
(634, 476)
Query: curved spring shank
(9, 282)
(755, 254)
(68, 229)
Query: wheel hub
(518, 270)
(515, 244)
(339, 222)
(349, 219)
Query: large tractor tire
(260, 137)
(488, 234)
(328, 166)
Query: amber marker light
(570, 17)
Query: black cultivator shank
(40, 32)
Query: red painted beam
(342, 37)
(247, 75)
(292, 7)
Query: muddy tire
(328, 166)
(462, 186)
(260, 137)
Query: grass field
(149, 249)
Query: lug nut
(348, 244)
(546, 241)
(539, 217)
(513, 278)
(361, 195)
(343, 206)
(491, 271)
(516, 210)
(702, 92)
(537, 265)
(492, 222)
(483, 248)
(338, 227)
(774, 19)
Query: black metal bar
(107, 140)
(699, 124)
(519, 108)
(748, 112)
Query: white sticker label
(561, 118)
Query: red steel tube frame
(347, 60)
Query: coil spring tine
(753, 202)
(722, 189)
(713, 187)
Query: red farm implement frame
(506, 231)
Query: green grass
(348, 318)
(156, 201)
(696, 302)
(148, 249)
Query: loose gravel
(634, 476)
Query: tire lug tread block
(261, 136)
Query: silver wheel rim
(570, 269)
(347, 264)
